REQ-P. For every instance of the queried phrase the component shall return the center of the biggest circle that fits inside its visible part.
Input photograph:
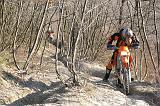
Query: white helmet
(127, 32)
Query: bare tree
(61, 9)
(121, 12)
(82, 28)
(19, 13)
(146, 40)
(37, 37)
(156, 33)
(1, 19)
(75, 79)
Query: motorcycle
(123, 68)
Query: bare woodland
(81, 29)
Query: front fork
(121, 71)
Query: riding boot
(132, 79)
(108, 71)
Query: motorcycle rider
(125, 37)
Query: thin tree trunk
(156, 33)
(19, 13)
(46, 37)
(70, 42)
(145, 37)
(61, 4)
(37, 38)
(1, 22)
(75, 79)
(121, 13)
(130, 13)
(1, 12)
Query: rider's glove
(112, 47)
(135, 45)
(115, 48)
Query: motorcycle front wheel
(126, 82)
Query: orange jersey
(120, 40)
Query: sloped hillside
(41, 86)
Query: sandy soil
(42, 87)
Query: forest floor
(42, 87)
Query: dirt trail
(142, 93)
(45, 89)
(94, 93)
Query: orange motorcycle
(123, 67)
